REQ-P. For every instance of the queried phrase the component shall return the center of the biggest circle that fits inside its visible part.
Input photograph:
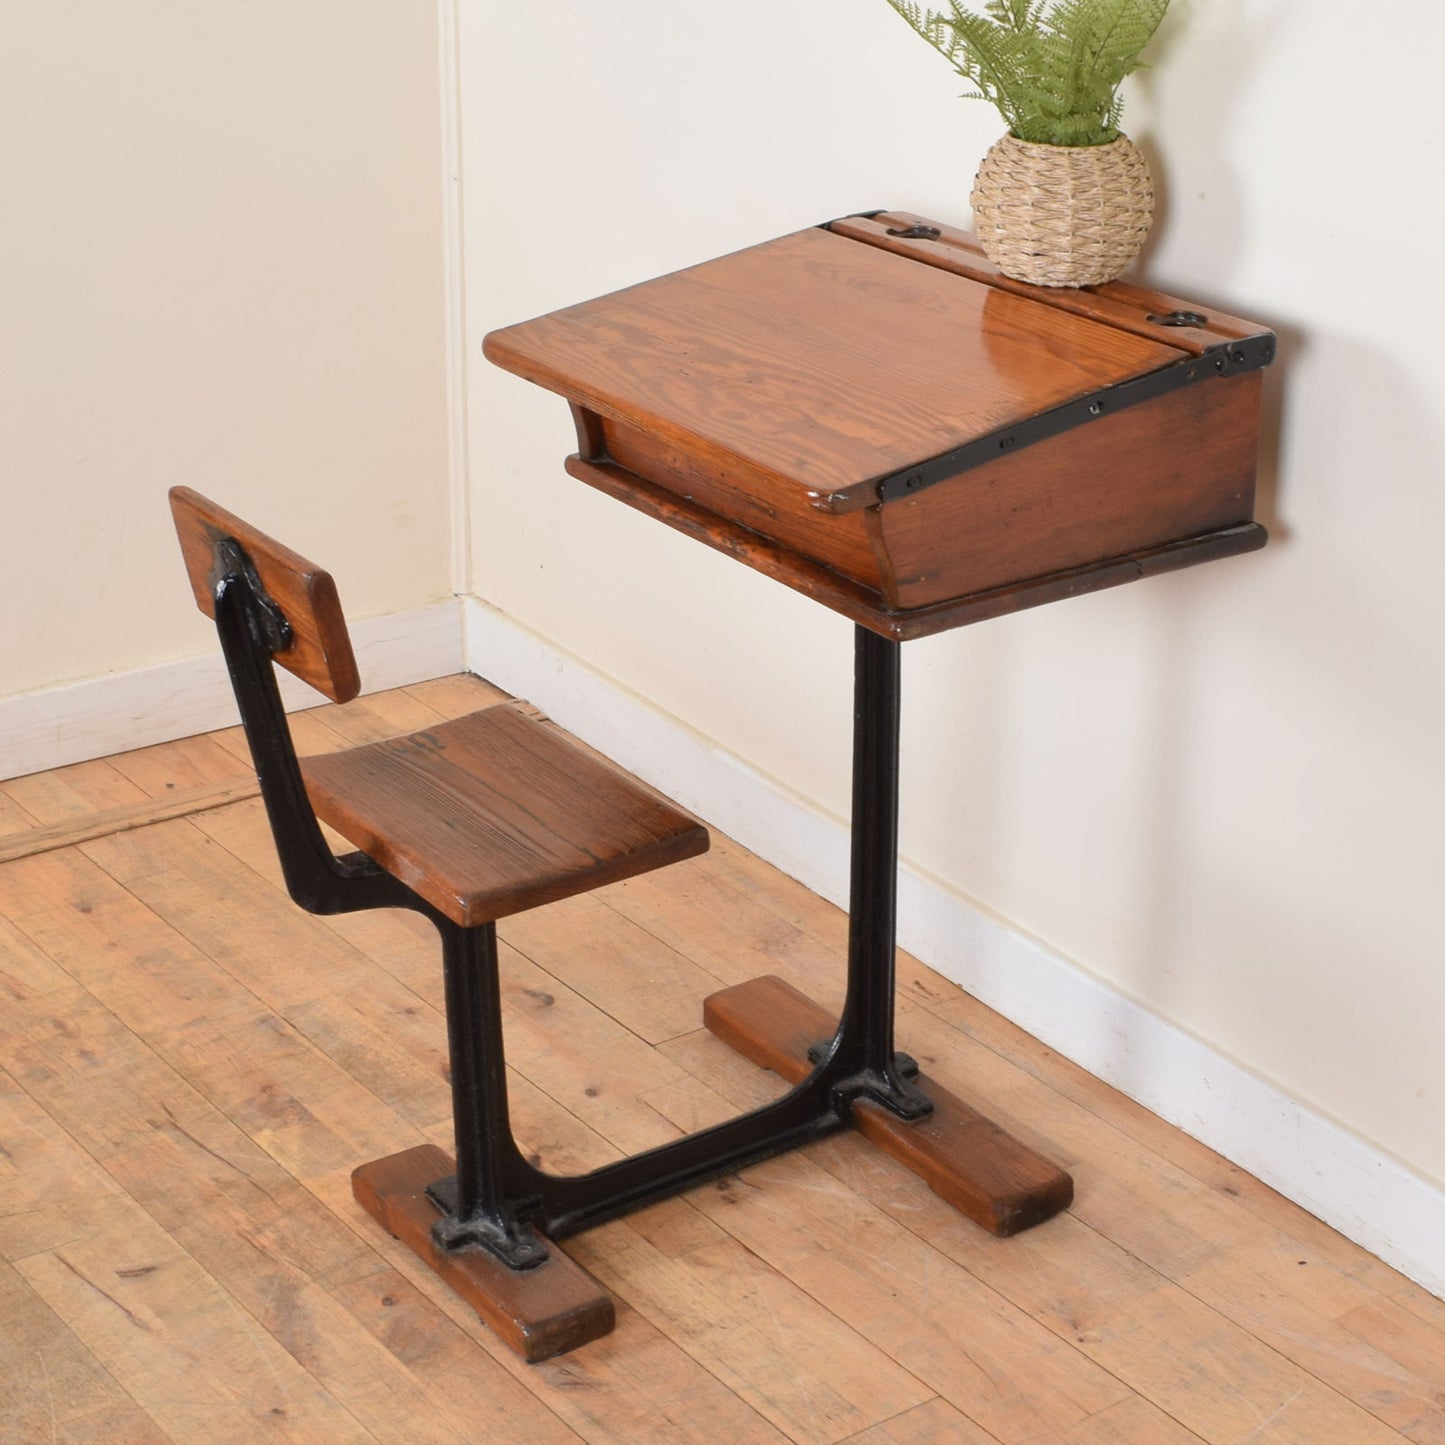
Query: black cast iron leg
(863, 1046)
(478, 1204)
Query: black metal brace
(1227, 359)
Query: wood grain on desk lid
(790, 357)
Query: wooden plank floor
(190, 1067)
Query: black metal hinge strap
(1232, 358)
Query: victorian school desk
(869, 413)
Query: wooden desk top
(812, 389)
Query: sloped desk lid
(869, 413)
(789, 355)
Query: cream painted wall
(1219, 791)
(220, 265)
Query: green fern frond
(1052, 68)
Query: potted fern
(1064, 198)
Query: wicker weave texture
(1062, 215)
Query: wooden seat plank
(495, 813)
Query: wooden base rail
(539, 1312)
(963, 1157)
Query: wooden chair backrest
(319, 651)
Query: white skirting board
(1364, 1193)
(127, 710)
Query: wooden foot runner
(963, 1157)
(539, 1312)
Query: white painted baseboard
(178, 699)
(1359, 1190)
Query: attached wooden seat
(495, 813)
(464, 823)
(480, 817)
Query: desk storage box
(1008, 445)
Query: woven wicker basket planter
(1062, 215)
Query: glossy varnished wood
(539, 1312)
(840, 543)
(320, 648)
(861, 605)
(1179, 466)
(1121, 304)
(757, 549)
(809, 362)
(769, 392)
(963, 1157)
(496, 812)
